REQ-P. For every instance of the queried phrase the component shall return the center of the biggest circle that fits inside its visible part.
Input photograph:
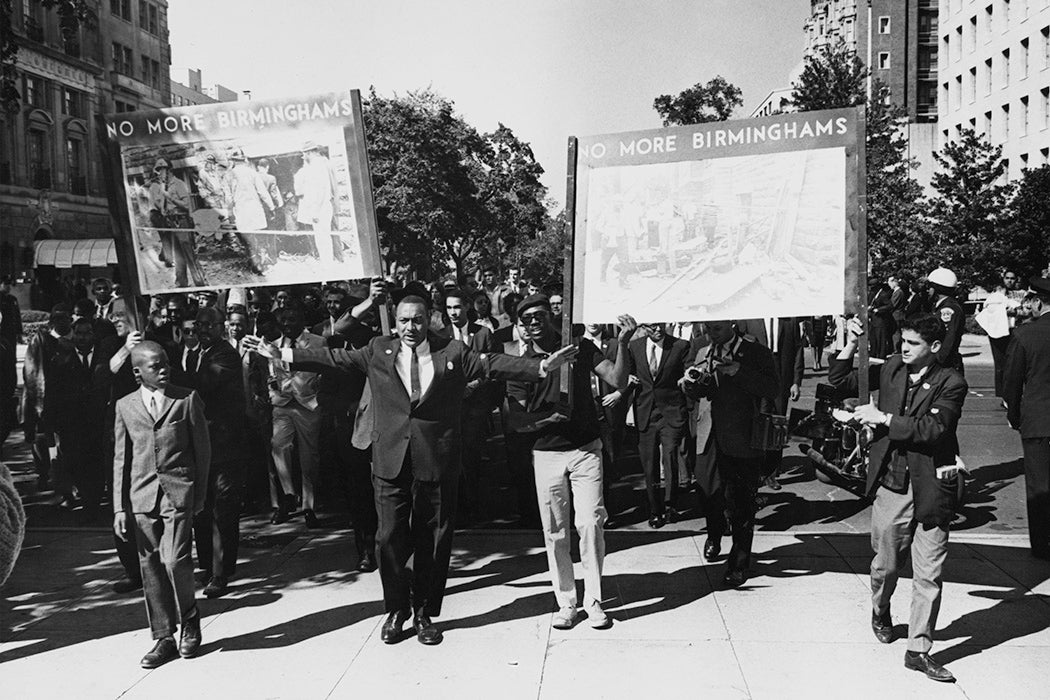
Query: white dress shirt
(461, 333)
(773, 333)
(199, 349)
(403, 363)
(158, 398)
(651, 349)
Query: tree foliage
(543, 258)
(1028, 224)
(713, 102)
(835, 78)
(445, 194)
(967, 214)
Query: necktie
(153, 406)
(654, 366)
(84, 361)
(413, 374)
(191, 360)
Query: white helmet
(943, 277)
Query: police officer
(942, 283)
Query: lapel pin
(926, 385)
(449, 365)
(389, 351)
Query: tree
(713, 102)
(542, 258)
(443, 192)
(967, 214)
(835, 78)
(71, 15)
(1028, 224)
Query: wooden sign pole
(863, 390)
(565, 376)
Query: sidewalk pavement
(300, 623)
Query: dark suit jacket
(926, 433)
(36, 381)
(661, 391)
(79, 394)
(430, 431)
(481, 396)
(172, 454)
(220, 383)
(1026, 379)
(789, 360)
(736, 400)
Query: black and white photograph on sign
(258, 209)
(726, 238)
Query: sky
(547, 69)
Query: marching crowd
(281, 399)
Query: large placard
(727, 220)
(257, 193)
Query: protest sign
(724, 220)
(266, 192)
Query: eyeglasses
(536, 317)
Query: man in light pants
(568, 456)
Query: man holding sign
(417, 382)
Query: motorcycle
(838, 443)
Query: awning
(93, 252)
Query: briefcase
(769, 432)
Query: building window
(75, 166)
(1006, 122)
(988, 76)
(119, 106)
(1024, 58)
(37, 92)
(884, 25)
(1044, 153)
(928, 22)
(1024, 162)
(121, 8)
(150, 72)
(72, 103)
(989, 23)
(1045, 95)
(1046, 47)
(988, 125)
(33, 20)
(38, 154)
(1006, 14)
(1024, 115)
(884, 60)
(122, 60)
(973, 33)
(971, 85)
(958, 91)
(148, 19)
(1006, 67)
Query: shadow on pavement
(981, 489)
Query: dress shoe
(735, 578)
(190, 638)
(367, 564)
(656, 522)
(392, 627)
(161, 653)
(882, 626)
(772, 483)
(921, 661)
(426, 632)
(672, 516)
(127, 585)
(712, 548)
(216, 587)
(311, 519)
(278, 516)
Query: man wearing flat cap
(1026, 391)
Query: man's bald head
(149, 364)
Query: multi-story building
(137, 55)
(50, 178)
(192, 92)
(995, 76)
(897, 40)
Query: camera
(698, 373)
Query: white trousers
(558, 474)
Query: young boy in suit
(162, 453)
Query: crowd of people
(218, 404)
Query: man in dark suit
(160, 464)
(1026, 391)
(612, 405)
(784, 338)
(80, 392)
(417, 382)
(658, 362)
(881, 321)
(736, 376)
(912, 475)
(479, 399)
(36, 380)
(219, 381)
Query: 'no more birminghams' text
(234, 118)
(717, 138)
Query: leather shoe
(656, 522)
(426, 632)
(278, 516)
(671, 515)
(161, 653)
(311, 519)
(921, 661)
(367, 563)
(216, 587)
(735, 579)
(127, 585)
(392, 627)
(712, 548)
(882, 626)
(190, 639)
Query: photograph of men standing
(315, 190)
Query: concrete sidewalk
(300, 623)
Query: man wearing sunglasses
(567, 455)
